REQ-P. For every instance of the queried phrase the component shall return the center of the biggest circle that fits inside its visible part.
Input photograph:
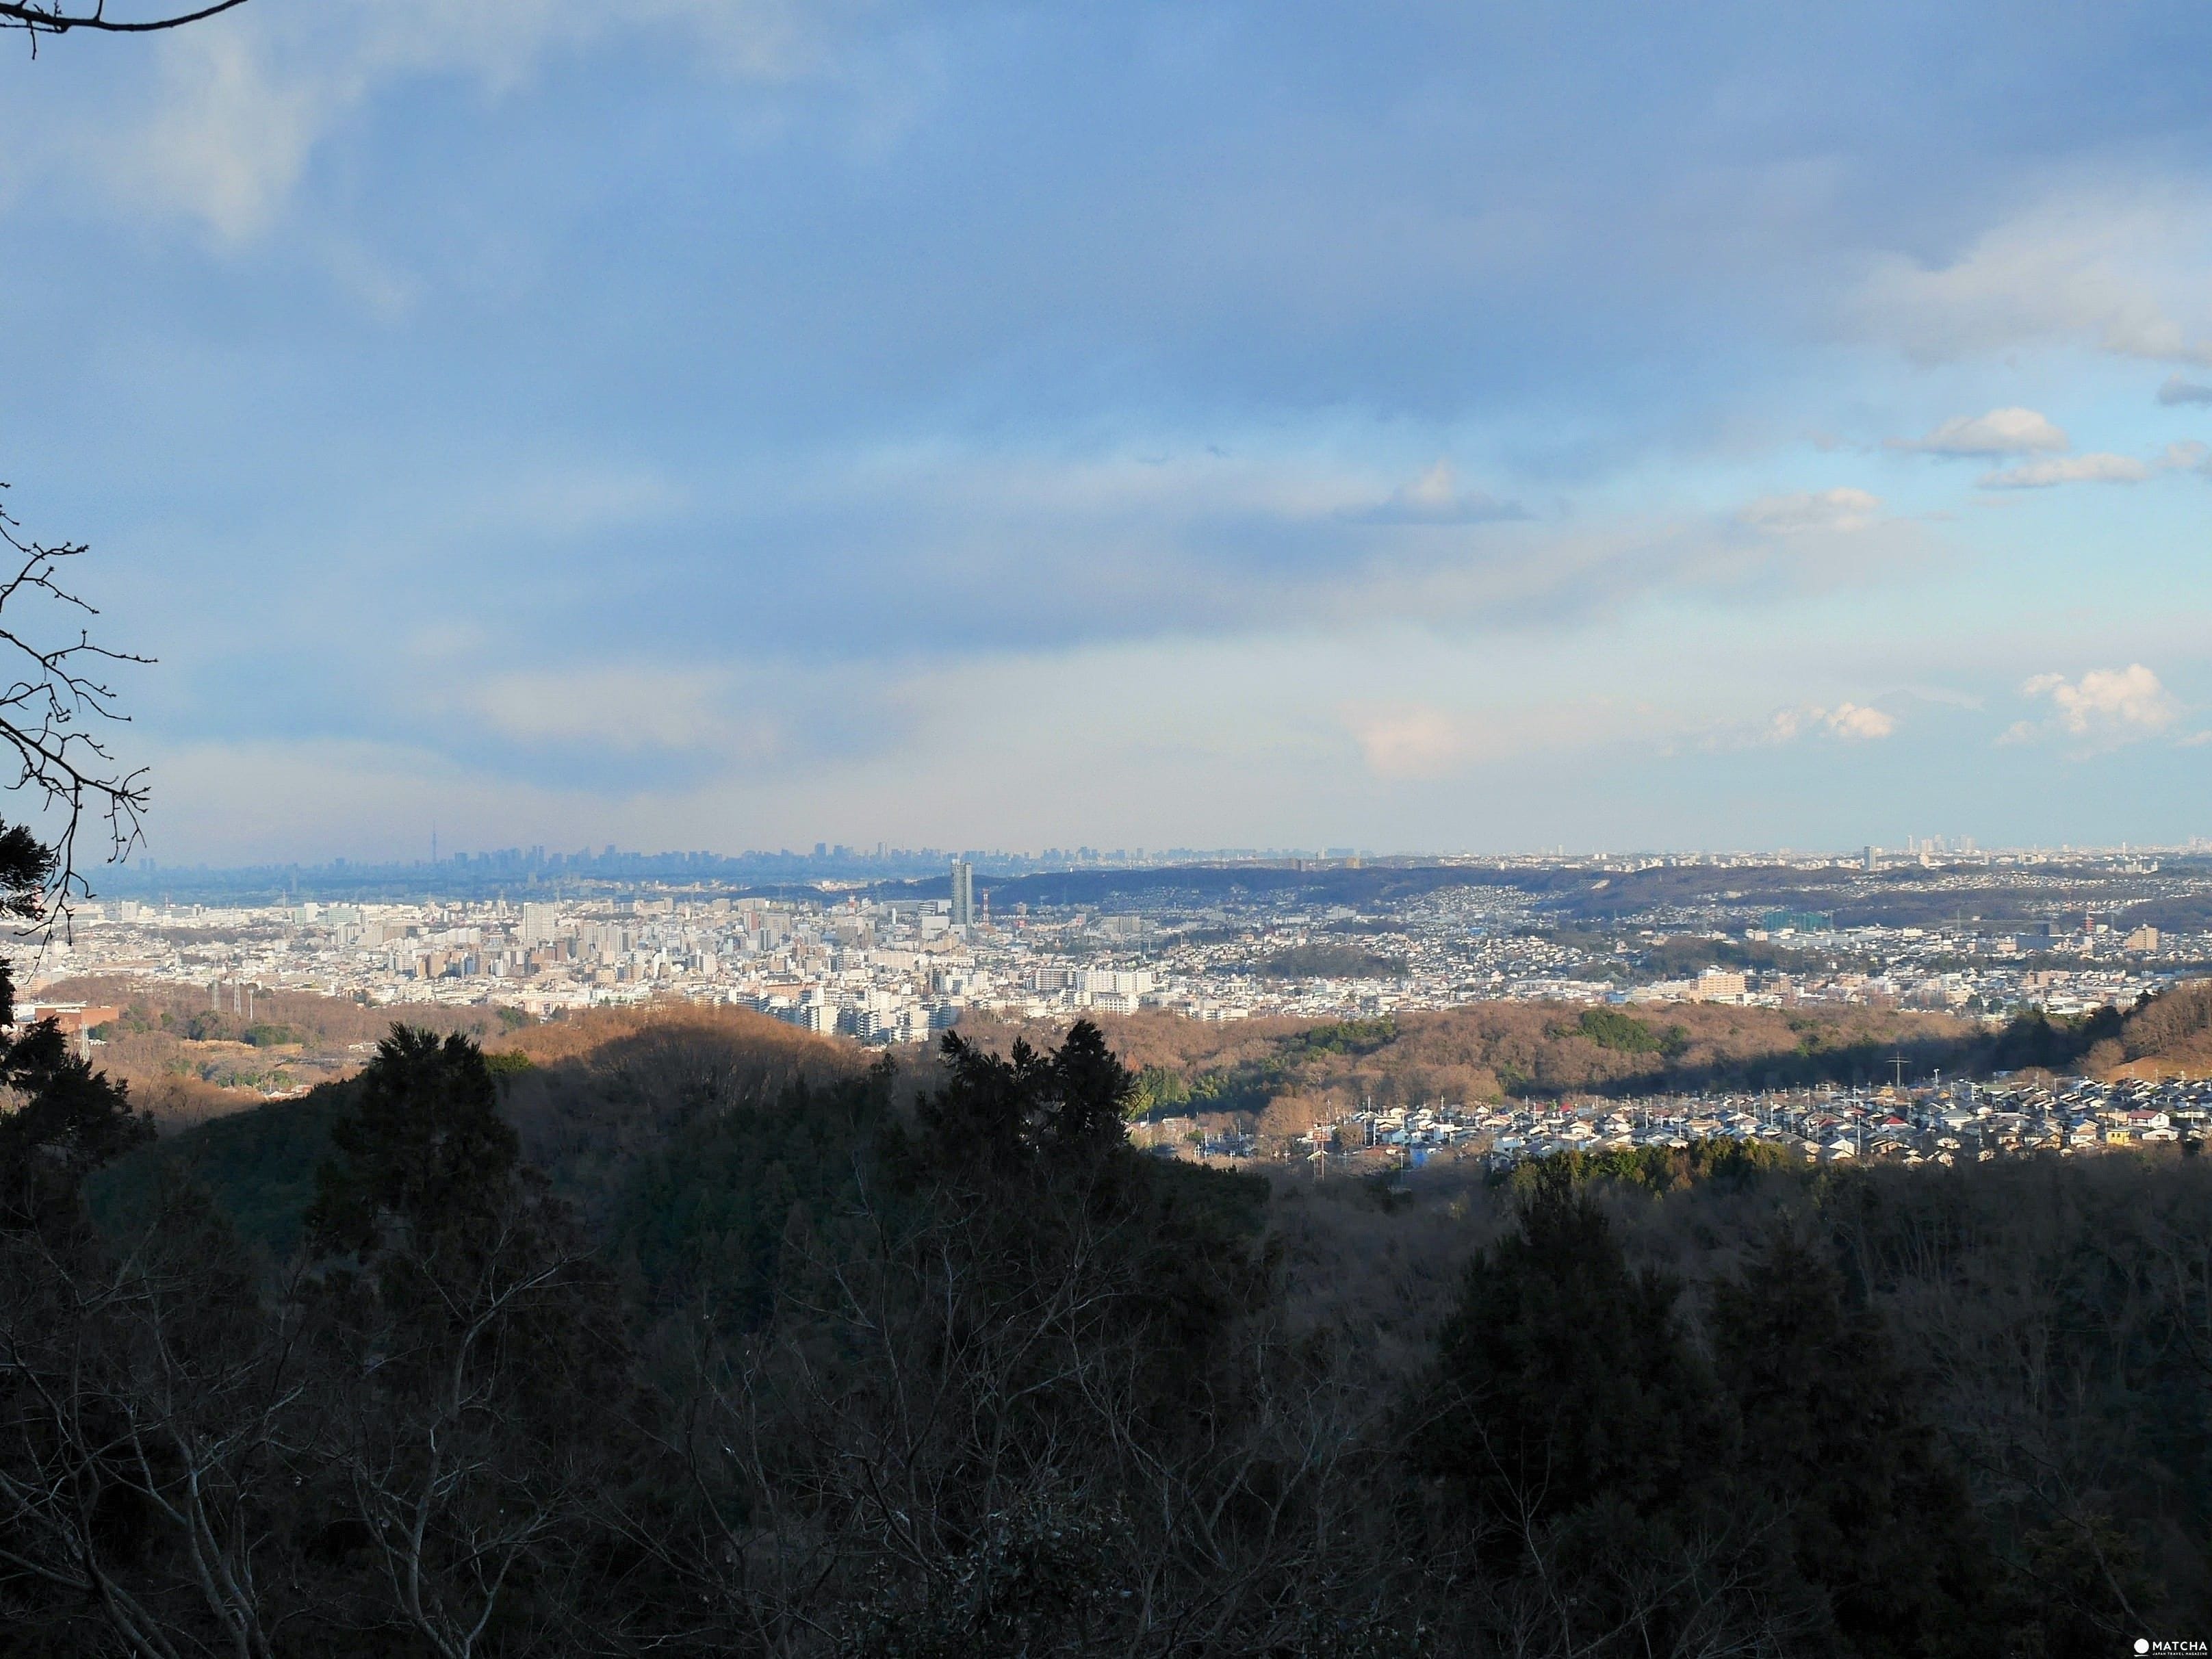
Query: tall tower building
(963, 893)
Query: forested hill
(2169, 1036)
(589, 1097)
(1487, 1051)
(187, 1061)
(707, 1342)
(591, 1094)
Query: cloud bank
(2105, 707)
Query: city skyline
(682, 425)
(989, 858)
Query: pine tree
(1563, 1378)
(1880, 1523)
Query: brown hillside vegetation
(189, 1055)
(187, 1060)
(581, 1033)
(2172, 1038)
(1487, 1051)
(319, 1021)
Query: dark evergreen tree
(64, 1120)
(475, 1374)
(1031, 1150)
(1880, 1521)
(1581, 1454)
(704, 1220)
(1562, 1376)
(1002, 1114)
(425, 1154)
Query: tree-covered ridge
(1250, 1084)
(2169, 1036)
(1609, 1027)
(257, 1166)
(1657, 1169)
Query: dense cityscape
(887, 962)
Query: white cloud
(240, 103)
(1411, 740)
(2000, 432)
(1408, 741)
(2117, 270)
(1840, 509)
(1855, 724)
(2107, 705)
(1847, 722)
(2005, 433)
(1435, 498)
(2067, 469)
(2178, 390)
(227, 137)
(1192, 542)
(625, 709)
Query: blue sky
(691, 423)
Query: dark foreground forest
(679, 1347)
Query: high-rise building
(963, 893)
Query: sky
(730, 423)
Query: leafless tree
(150, 1407)
(459, 1485)
(52, 711)
(942, 1442)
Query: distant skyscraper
(963, 893)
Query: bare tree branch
(58, 689)
(52, 17)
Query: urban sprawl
(889, 967)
